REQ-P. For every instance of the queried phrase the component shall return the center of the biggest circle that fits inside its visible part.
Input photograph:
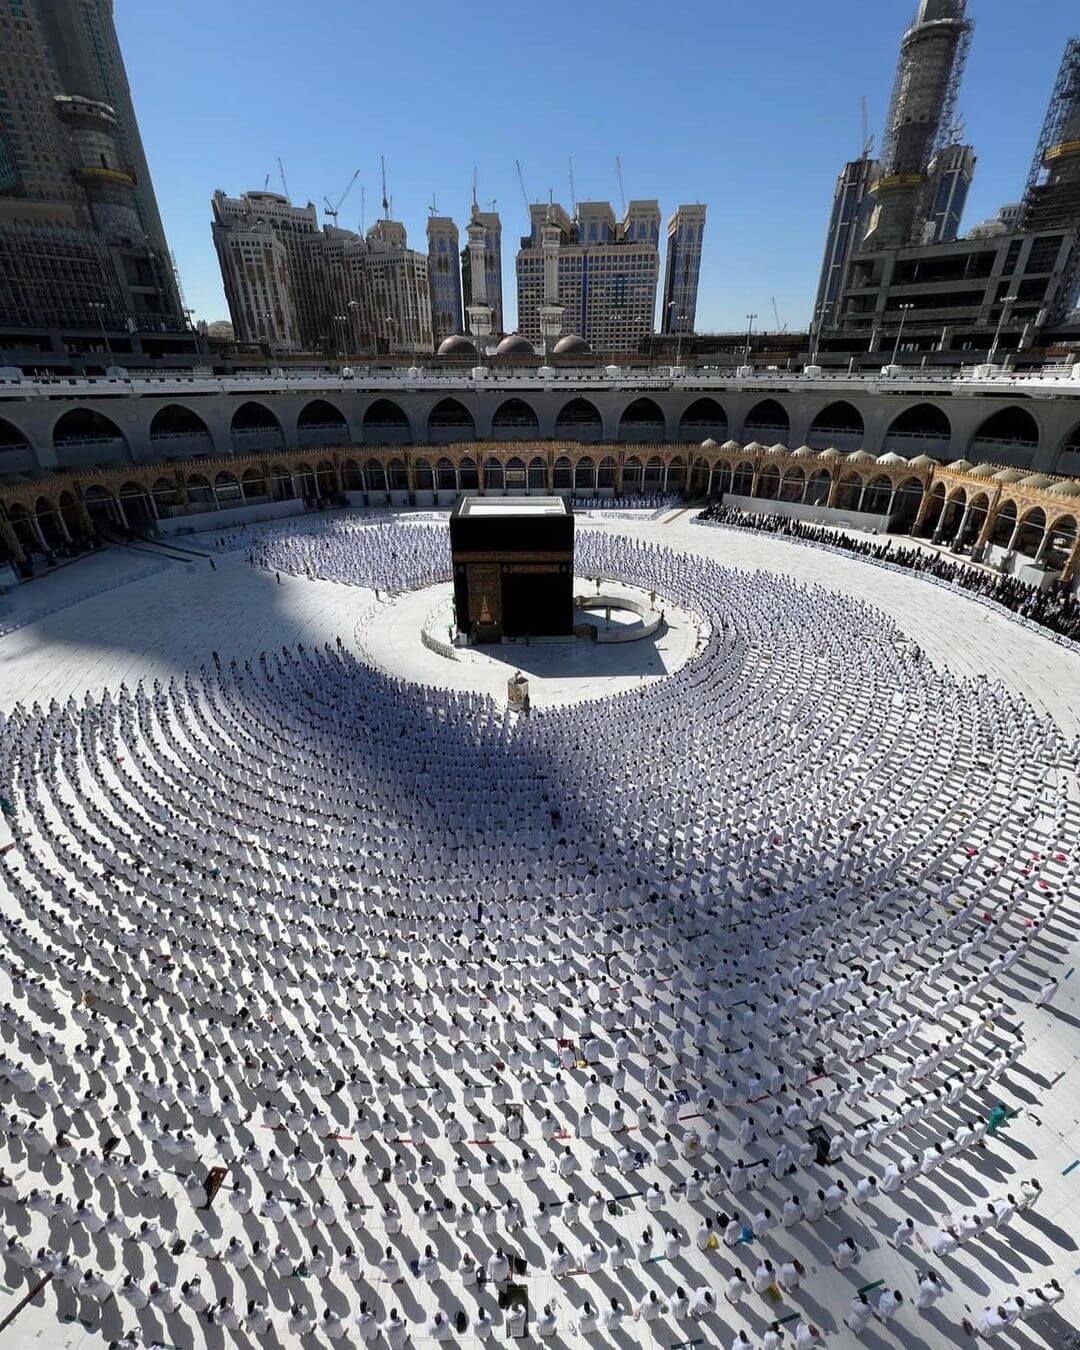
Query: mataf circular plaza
(718, 993)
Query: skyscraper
(296, 287)
(685, 234)
(847, 226)
(81, 240)
(592, 275)
(444, 277)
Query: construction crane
(385, 198)
(333, 210)
(622, 190)
(573, 195)
(363, 209)
(433, 210)
(780, 327)
(867, 135)
(521, 180)
(281, 170)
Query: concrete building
(398, 290)
(591, 276)
(294, 287)
(682, 267)
(81, 240)
(481, 273)
(847, 226)
(444, 277)
(268, 253)
(948, 178)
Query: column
(481, 479)
(1040, 552)
(834, 490)
(63, 524)
(892, 500)
(549, 469)
(1073, 560)
(11, 539)
(1014, 537)
(410, 477)
(958, 537)
(862, 496)
(39, 533)
(664, 477)
(619, 474)
(708, 486)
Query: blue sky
(750, 108)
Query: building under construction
(909, 285)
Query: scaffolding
(910, 76)
(1063, 106)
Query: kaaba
(513, 560)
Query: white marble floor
(151, 627)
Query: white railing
(1056, 378)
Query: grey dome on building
(457, 344)
(515, 344)
(571, 344)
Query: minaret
(480, 315)
(551, 311)
(932, 56)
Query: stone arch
(972, 521)
(253, 484)
(51, 523)
(607, 472)
(101, 506)
(536, 474)
(1061, 540)
(675, 474)
(642, 420)
(1029, 536)
(849, 492)
(1067, 459)
(255, 422)
(742, 479)
(633, 475)
(11, 438)
(446, 475)
(321, 414)
(281, 483)
(397, 477)
(906, 504)
(516, 474)
(352, 476)
(1001, 532)
(468, 475)
(792, 484)
(73, 517)
(579, 420)
(450, 420)
(768, 483)
(837, 423)
(494, 475)
(653, 476)
(386, 423)
(22, 521)
(137, 505)
(585, 475)
(922, 425)
(424, 475)
(304, 475)
(768, 421)
(1012, 432)
(877, 495)
(935, 509)
(703, 418)
(514, 417)
(375, 475)
(563, 474)
(817, 488)
(200, 493)
(227, 489)
(85, 426)
(178, 422)
(326, 477)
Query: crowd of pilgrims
(502, 1023)
(1056, 608)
